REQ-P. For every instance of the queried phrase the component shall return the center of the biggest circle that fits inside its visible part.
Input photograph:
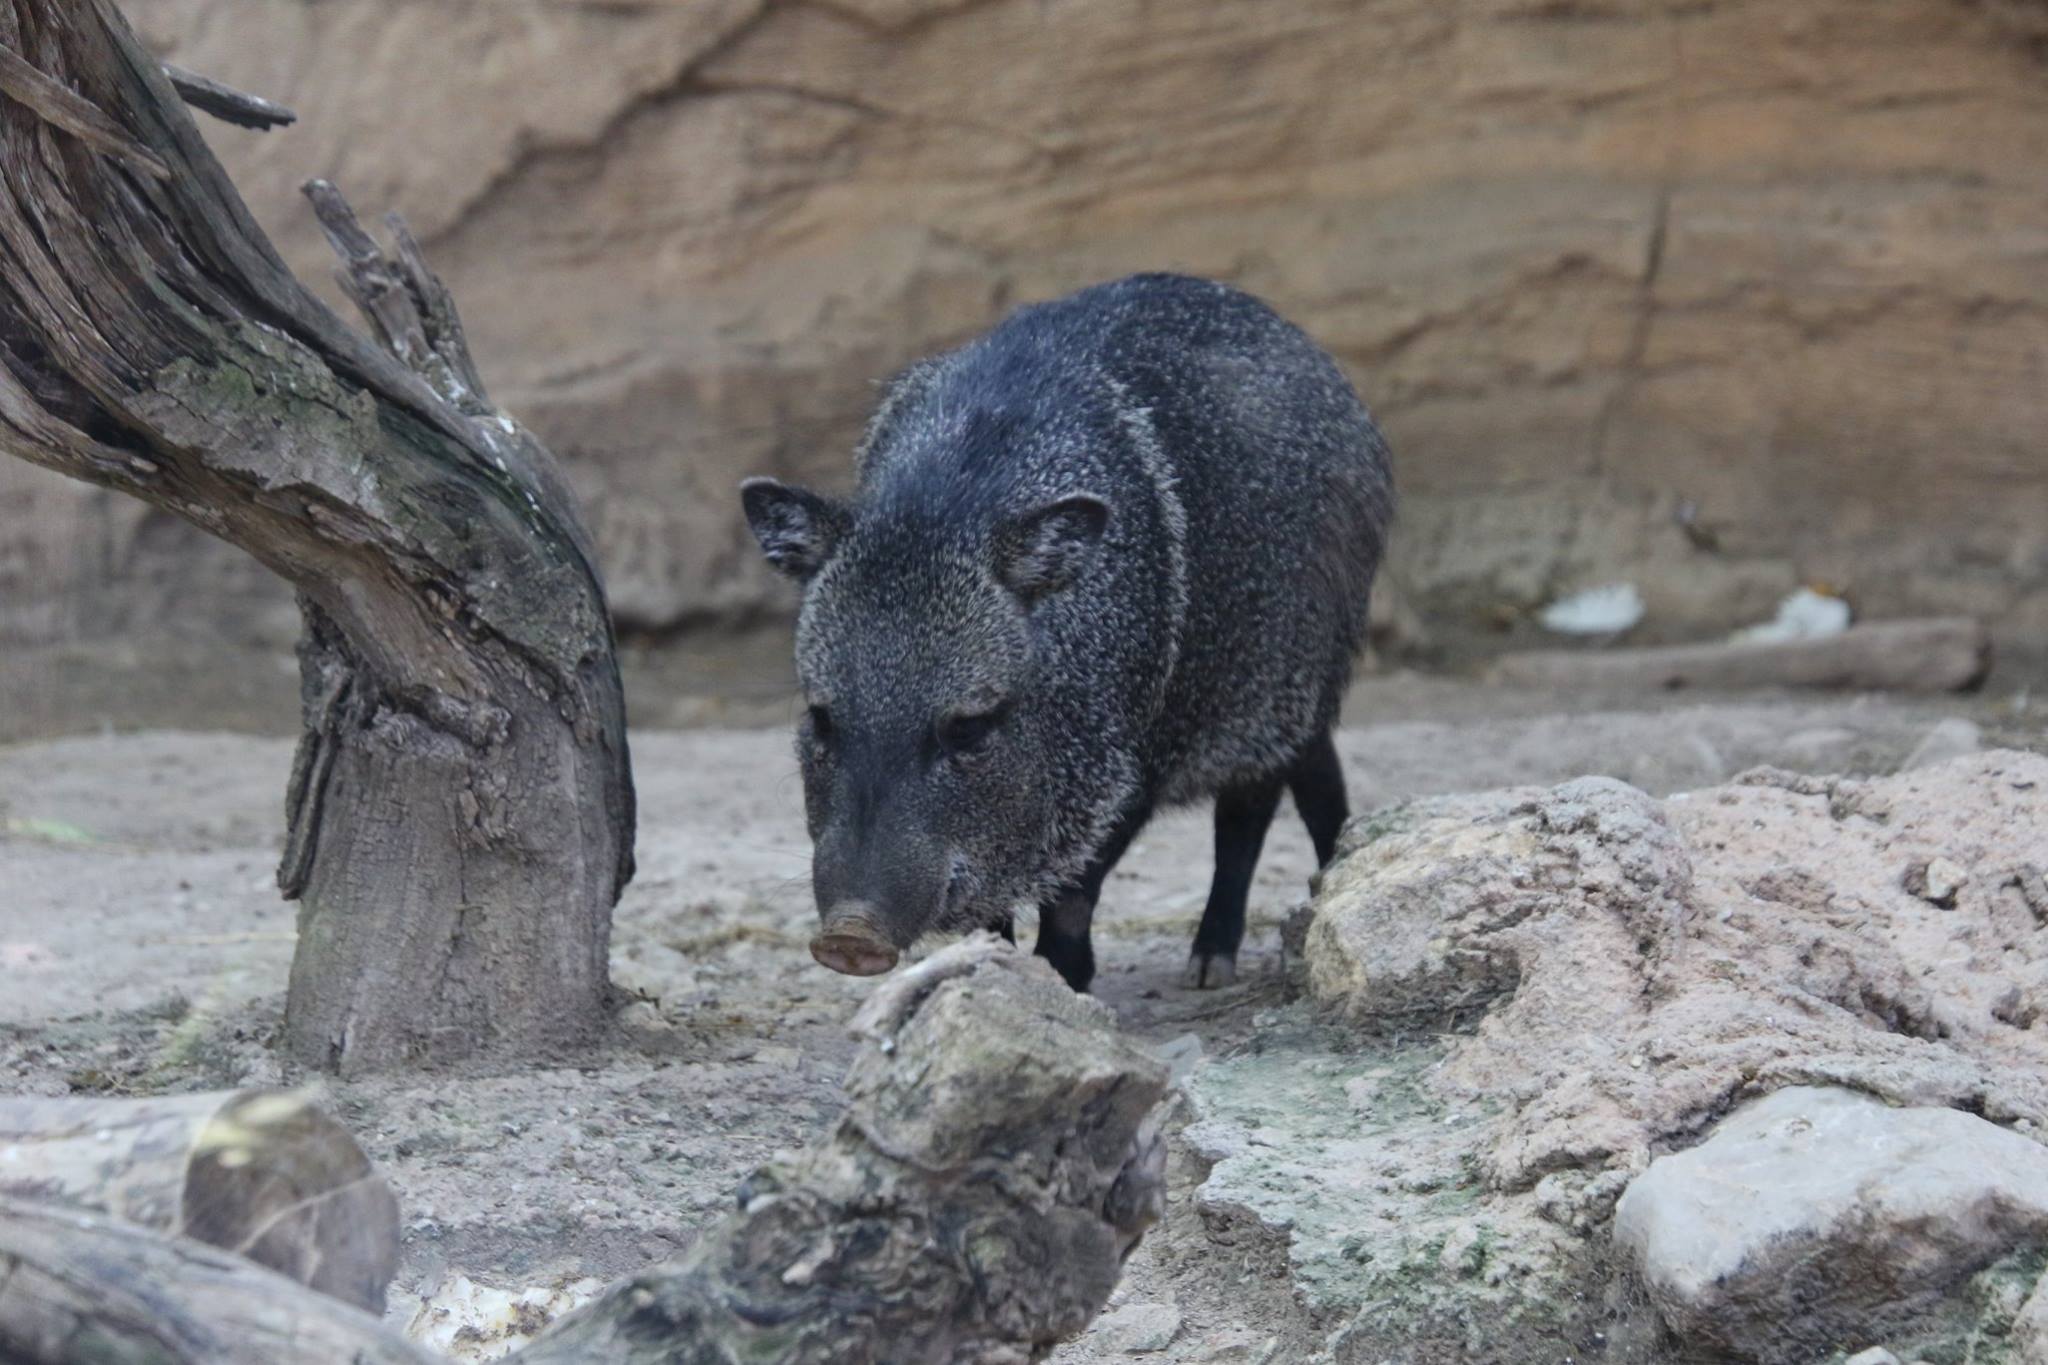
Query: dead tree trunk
(263, 1174)
(997, 1161)
(461, 807)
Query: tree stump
(461, 807)
(262, 1174)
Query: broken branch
(226, 103)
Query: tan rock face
(1772, 268)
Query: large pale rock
(1626, 969)
(1561, 983)
(1811, 1220)
(1713, 298)
(1426, 912)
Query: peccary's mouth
(852, 943)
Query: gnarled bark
(461, 808)
(263, 1174)
(998, 1159)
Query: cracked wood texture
(998, 1159)
(77, 1287)
(263, 1174)
(461, 806)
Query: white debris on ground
(1607, 610)
(465, 1320)
(1804, 615)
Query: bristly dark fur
(1129, 535)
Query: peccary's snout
(881, 881)
(852, 941)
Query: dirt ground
(143, 947)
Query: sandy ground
(143, 946)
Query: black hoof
(1209, 971)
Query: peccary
(1112, 556)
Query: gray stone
(1138, 1328)
(1816, 1215)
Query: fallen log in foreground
(81, 1288)
(260, 1173)
(996, 1162)
(1943, 654)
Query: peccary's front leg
(1242, 817)
(1064, 922)
(1063, 936)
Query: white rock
(1137, 1328)
(1937, 881)
(1876, 1355)
(1818, 1214)
(1945, 878)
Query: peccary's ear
(798, 529)
(1045, 550)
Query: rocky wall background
(1719, 296)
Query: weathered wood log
(996, 1162)
(80, 1288)
(461, 808)
(998, 1159)
(1943, 654)
(263, 1174)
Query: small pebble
(1937, 881)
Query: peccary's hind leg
(1318, 786)
(1064, 922)
(1242, 817)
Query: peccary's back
(1253, 487)
(1287, 491)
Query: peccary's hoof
(1209, 971)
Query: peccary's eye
(821, 724)
(968, 734)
